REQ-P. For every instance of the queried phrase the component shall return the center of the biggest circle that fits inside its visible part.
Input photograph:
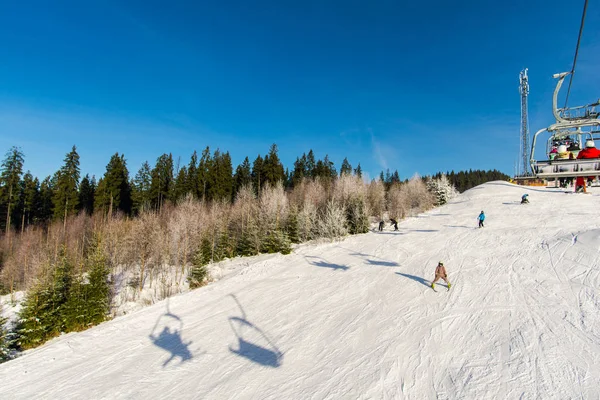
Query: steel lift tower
(524, 168)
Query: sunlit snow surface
(356, 319)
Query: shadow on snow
(269, 355)
(325, 264)
(415, 278)
(169, 337)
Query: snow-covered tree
(442, 189)
(332, 223)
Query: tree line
(26, 200)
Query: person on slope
(381, 223)
(590, 151)
(440, 273)
(525, 199)
(481, 218)
(395, 223)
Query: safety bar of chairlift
(574, 168)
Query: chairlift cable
(576, 51)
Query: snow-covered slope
(356, 319)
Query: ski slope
(356, 319)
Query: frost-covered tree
(441, 189)
(332, 223)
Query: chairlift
(573, 125)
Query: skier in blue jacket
(481, 218)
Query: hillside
(357, 319)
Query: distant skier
(440, 272)
(381, 225)
(525, 199)
(481, 218)
(395, 223)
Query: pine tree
(219, 177)
(273, 170)
(141, 188)
(87, 192)
(66, 196)
(10, 175)
(42, 315)
(32, 200)
(113, 192)
(357, 217)
(310, 165)
(299, 170)
(258, 176)
(276, 241)
(198, 273)
(291, 225)
(5, 342)
(192, 176)
(162, 181)
(89, 297)
(46, 209)
(181, 187)
(243, 175)
(346, 168)
(250, 241)
(358, 171)
(441, 189)
(204, 167)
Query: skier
(395, 223)
(525, 199)
(440, 272)
(481, 218)
(381, 226)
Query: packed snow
(357, 319)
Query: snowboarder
(525, 199)
(440, 272)
(395, 223)
(381, 226)
(481, 218)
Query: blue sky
(417, 87)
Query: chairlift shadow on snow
(269, 355)
(369, 259)
(325, 264)
(169, 338)
(415, 278)
(383, 263)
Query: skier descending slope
(481, 218)
(525, 199)
(440, 272)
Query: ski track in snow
(355, 319)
